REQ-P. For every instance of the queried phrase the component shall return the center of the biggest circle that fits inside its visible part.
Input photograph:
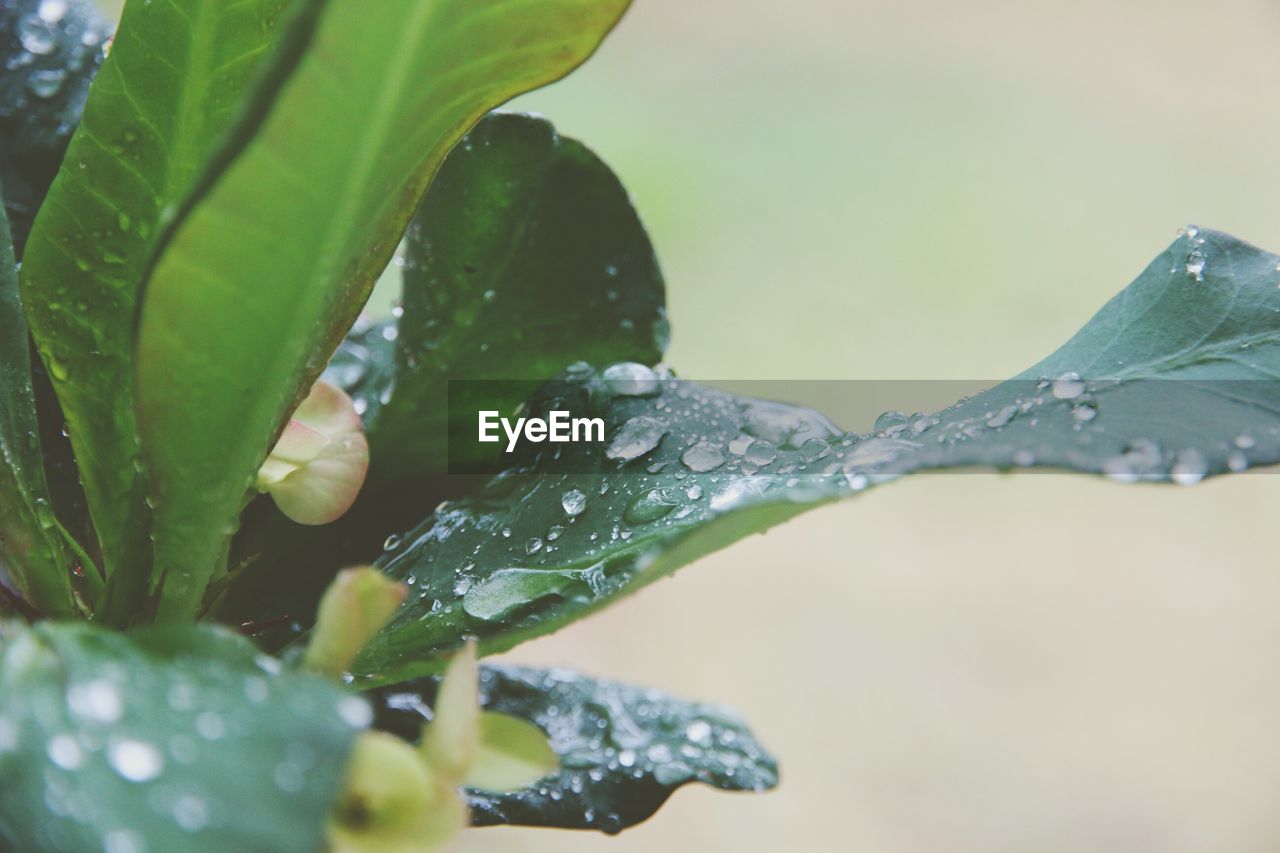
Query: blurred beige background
(907, 189)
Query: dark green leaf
(1180, 384)
(261, 279)
(541, 225)
(623, 750)
(34, 550)
(49, 52)
(525, 256)
(175, 738)
(157, 112)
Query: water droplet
(210, 726)
(1002, 417)
(703, 456)
(256, 689)
(876, 451)
(533, 546)
(573, 502)
(392, 542)
(191, 813)
(135, 760)
(1196, 261)
(1068, 386)
(509, 590)
(890, 421)
(64, 752)
(628, 379)
(635, 438)
(921, 423)
(814, 449)
(761, 452)
(51, 11)
(699, 731)
(123, 841)
(1084, 411)
(650, 506)
(355, 712)
(1237, 461)
(1189, 468)
(97, 700)
(46, 84)
(36, 35)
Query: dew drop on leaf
(1068, 386)
(135, 760)
(704, 456)
(890, 421)
(1195, 264)
(628, 379)
(1189, 468)
(635, 438)
(650, 506)
(573, 502)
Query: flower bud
(317, 467)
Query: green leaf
(1180, 384)
(511, 754)
(572, 277)
(525, 256)
(49, 53)
(261, 279)
(622, 750)
(157, 113)
(174, 738)
(34, 550)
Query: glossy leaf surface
(50, 52)
(525, 257)
(623, 750)
(174, 738)
(263, 276)
(1179, 384)
(34, 550)
(161, 106)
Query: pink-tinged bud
(319, 464)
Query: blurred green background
(883, 189)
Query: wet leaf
(623, 750)
(50, 52)
(287, 242)
(526, 256)
(1179, 384)
(158, 111)
(173, 738)
(540, 223)
(34, 550)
